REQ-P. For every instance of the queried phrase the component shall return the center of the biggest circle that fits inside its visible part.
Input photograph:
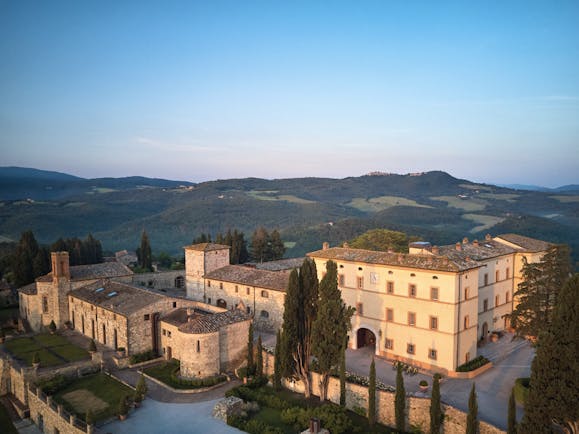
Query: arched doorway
(221, 303)
(365, 338)
(485, 330)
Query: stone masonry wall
(51, 416)
(161, 279)
(233, 345)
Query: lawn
(99, 392)
(53, 350)
(468, 204)
(6, 425)
(163, 371)
(484, 221)
(381, 203)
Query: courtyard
(53, 350)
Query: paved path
(157, 417)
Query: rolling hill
(308, 211)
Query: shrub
(140, 389)
(423, 383)
(52, 385)
(92, 346)
(142, 357)
(36, 358)
(473, 364)
(334, 418)
(123, 408)
(89, 418)
(522, 389)
(52, 326)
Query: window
(389, 314)
(264, 314)
(179, 282)
(390, 287)
(466, 357)
(341, 279)
(507, 273)
(497, 299)
(164, 332)
(174, 304)
(434, 322)
(209, 284)
(220, 285)
(485, 304)
(374, 278)
(147, 317)
(410, 348)
(168, 333)
(434, 293)
(247, 290)
(360, 282)
(466, 322)
(432, 354)
(359, 308)
(466, 293)
(209, 300)
(198, 346)
(411, 319)
(507, 297)
(486, 279)
(44, 304)
(248, 309)
(236, 289)
(497, 276)
(412, 290)
(264, 294)
(104, 335)
(389, 344)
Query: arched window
(264, 314)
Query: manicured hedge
(142, 357)
(522, 390)
(473, 364)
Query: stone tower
(201, 259)
(60, 287)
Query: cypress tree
(259, 358)
(250, 363)
(512, 415)
(343, 376)
(259, 245)
(277, 362)
(372, 395)
(400, 401)
(472, 417)
(435, 410)
(144, 253)
(554, 382)
(277, 246)
(330, 328)
(26, 252)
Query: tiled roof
(115, 296)
(29, 289)
(427, 262)
(211, 323)
(206, 247)
(179, 316)
(525, 243)
(105, 270)
(277, 280)
(481, 252)
(282, 264)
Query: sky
(201, 90)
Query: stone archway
(365, 338)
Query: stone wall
(418, 409)
(160, 279)
(199, 354)
(50, 417)
(233, 345)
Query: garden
(168, 373)
(47, 349)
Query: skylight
(112, 294)
(100, 290)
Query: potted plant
(123, 408)
(52, 327)
(140, 391)
(92, 346)
(423, 385)
(36, 360)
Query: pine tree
(259, 358)
(300, 310)
(472, 417)
(259, 245)
(144, 253)
(554, 382)
(277, 247)
(372, 395)
(277, 363)
(250, 362)
(512, 414)
(343, 376)
(400, 401)
(331, 326)
(537, 294)
(435, 410)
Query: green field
(566, 199)
(484, 221)
(500, 196)
(476, 187)
(271, 195)
(53, 350)
(468, 204)
(380, 203)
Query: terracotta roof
(200, 324)
(277, 280)
(206, 247)
(481, 252)
(427, 262)
(105, 270)
(179, 316)
(282, 264)
(115, 296)
(525, 243)
(29, 289)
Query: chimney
(488, 237)
(325, 245)
(60, 266)
(458, 247)
(465, 240)
(475, 243)
(435, 250)
(190, 314)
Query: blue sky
(488, 91)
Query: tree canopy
(383, 240)
(144, 254)
(265, 246)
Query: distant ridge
(30, 173)
(563, 188)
